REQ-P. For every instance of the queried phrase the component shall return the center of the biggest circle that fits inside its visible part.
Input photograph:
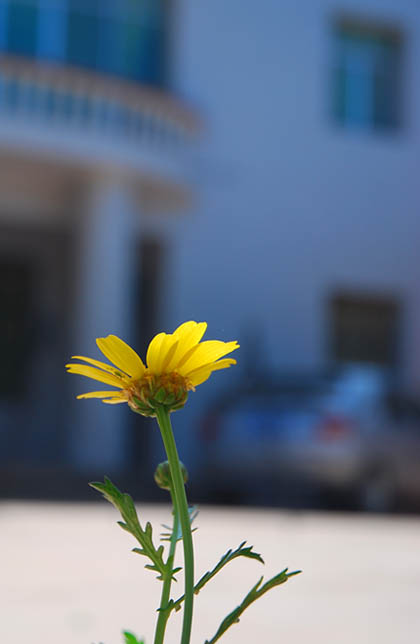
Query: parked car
(349, 434)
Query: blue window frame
(367, 76)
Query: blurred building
(293, 226)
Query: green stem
(166, 588)
(181, 503)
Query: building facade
(293, 226)
(94, 147)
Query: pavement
(68, 576)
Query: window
(82, 34)
(367, 75)
(364, 329)
(51, 32)
(122, 37)
(22, 22)
(403, 410)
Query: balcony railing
(79, 101)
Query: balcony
(75, 116)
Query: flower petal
(189, 335)
(205, 353)
(160, 352)
(96, 374)
(98, 394)
(153, 352)
(167, 352)
(223, 364)
(114, 401)
(200, 375)
(166, 348)
(184, 328)
(191, 328)
(122, 355)
(101, 365)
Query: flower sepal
(169, 391)
(139, 407)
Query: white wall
(291, 205)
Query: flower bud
(163, 475)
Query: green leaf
(229, 556)
(255, 593)
(129, 638)
(125, 505)
(167, 536)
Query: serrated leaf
(167, 536)
(129, 638)
(125, 505)
(230, 555)
(255, 593)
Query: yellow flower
(176, 363)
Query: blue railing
(71, 98)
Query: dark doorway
(364, 328)
(34, 319)
(16, 325)
(149, 288)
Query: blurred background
(254, 166)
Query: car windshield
(356, 390)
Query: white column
(104, 305)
